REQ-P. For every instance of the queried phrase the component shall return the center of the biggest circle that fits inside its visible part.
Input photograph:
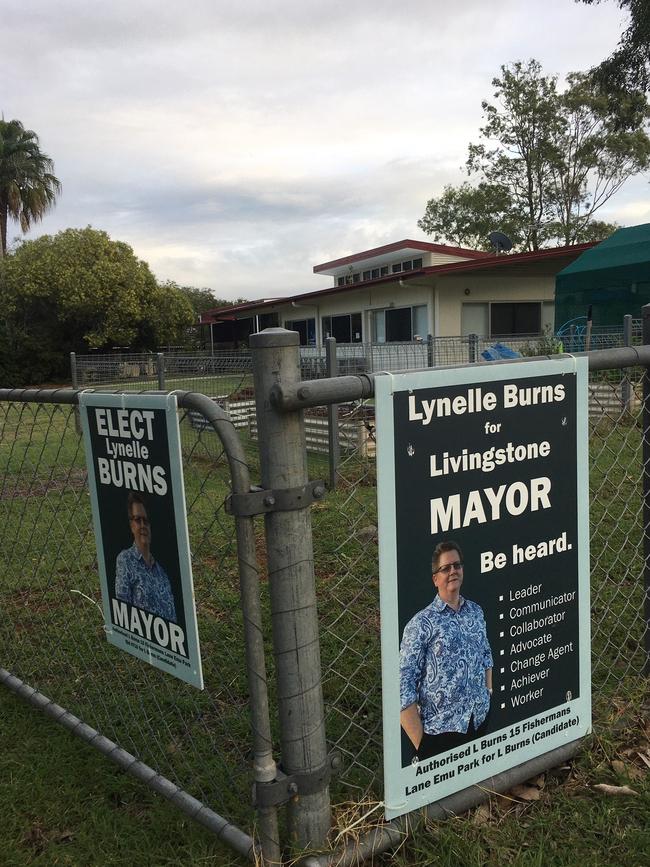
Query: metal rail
(320, 392)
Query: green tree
(28, 188)
(628, 67)
(465, 215)
(204, 299)
(80, 290)
(546, 163)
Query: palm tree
(28, 188)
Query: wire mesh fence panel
(346, 564)
(617, 558)
(52, 630)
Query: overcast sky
(237, 144)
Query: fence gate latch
(288, 786)
(259, 501)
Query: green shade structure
(613, 278)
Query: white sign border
(168, 403)
(396, 778)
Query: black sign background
(558, 573)
(112, 503)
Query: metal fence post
(283, 461)
(626, 386)
(73, 370)
(332, 414)
(430, 351)
(473, 348)
(160, 370)
(645, 313)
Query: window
(515, 318)
(384, 271)
(407, 266)
(366, 275)
(268, 320)
(417, 263)
(501, 319)
(340, 281)
(346, 328)
(399, 324)
(397, 267)
(356, 277)
(375, 273)
(306, 328)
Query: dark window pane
(356, 277)
(515, 318)
(341, 328)
(269, 320)
(407, 266)
(397, 267)
(366, 275)
(398, 324)
(306, 328)
(327, 327)
(340, 281)
(356, 327)
(384, 270)
(375, 273)
(417, 263)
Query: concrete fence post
(645, 313)
(283, 462)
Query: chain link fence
(51, 632)
(226, 372)
(51, 635)
(346, 558)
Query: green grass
(64, 804)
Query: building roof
(383, 255)
(484, 262)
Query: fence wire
(346, 558)
(51, 632)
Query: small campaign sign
(137, 494)
(484, 571)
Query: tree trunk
(3, 229)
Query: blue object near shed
(499, 351)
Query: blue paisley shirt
(443, 658)
(142, 585)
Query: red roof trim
(486, 263)
(426, 246)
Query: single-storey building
(405, 291)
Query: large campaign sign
(136, 486)
(484, 571)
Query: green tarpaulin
(613, 277)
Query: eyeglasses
(140, 519)
(457, 565)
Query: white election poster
(484, 571)
(138, 503)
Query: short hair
(135, 497)
(442, 548)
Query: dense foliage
(628, 67)
(547, 161)
(80, 290)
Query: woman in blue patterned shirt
(139, 579)
(445, 664)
